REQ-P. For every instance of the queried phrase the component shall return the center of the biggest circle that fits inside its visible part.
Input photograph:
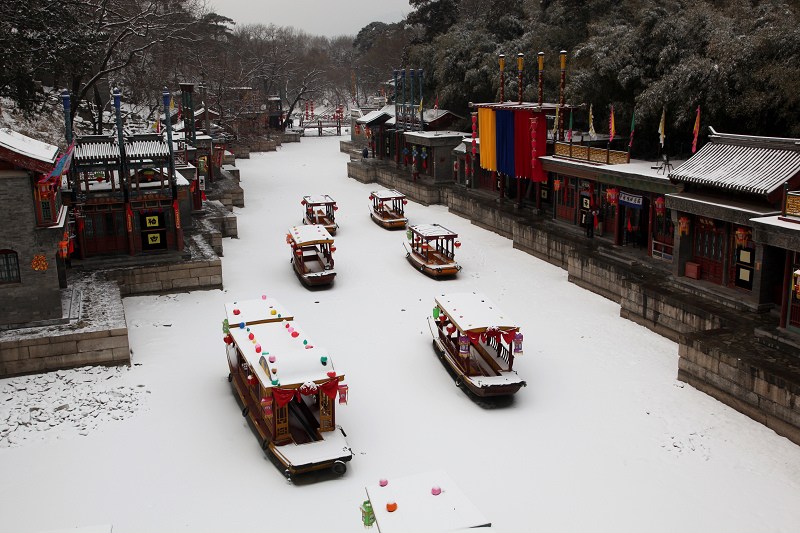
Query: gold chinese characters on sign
(793, 205)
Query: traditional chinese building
(124, 192)
(32, 230)
(733, 196)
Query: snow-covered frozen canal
(603, 438)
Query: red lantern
(266, 403)
(251, 380)
(612, 196)
(742, 239)
(659, 205)
(343, 392)
(335, 208)
(371, 197)
(457, 244)
(405, 202)
(333, 248)
(684, 225)
(557, 185)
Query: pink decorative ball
(436, 490)
(383, 482)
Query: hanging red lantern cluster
(660, 206)
(683, 223)
(742, 237)
(612, 196)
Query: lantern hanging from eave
(660, 206)
(742, 237)
(796, 283)
(684, 225)
(251, 380)
(266, 404)
(367, 514)
(612, 196)
(463, 345)
(557, 185)
(518, 344)
(343, 392)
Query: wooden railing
(503, 352)
(590, 153)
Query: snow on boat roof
(473, 312)
(295, 362)
(24, 145)
(332, 446)
(311, 234)
(418, 509)
(319, 199)
(387, 194)
(432, 231)
(256, 311)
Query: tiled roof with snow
(28, 147)
(756, 165)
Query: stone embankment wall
(29, 355)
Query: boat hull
(389, 223)
(461, 379)
(432, 269)
(315, 279)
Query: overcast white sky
(317, 17)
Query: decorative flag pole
(520, 62)
(541, 78)
(611, 132)
(502, 78)
(633, 127)
(696, 130)
(662, 127)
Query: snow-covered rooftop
(387, 194)
(319, 199)
(23, 145)
(310, 234)
(473, 312)
(429, 502)
(432, 231)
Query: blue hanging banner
(631, 200)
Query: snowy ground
(604, 438)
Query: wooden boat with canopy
(388, 208)
(320, 209)
(478, 342)
(288, 386)
(312, 254)
(431, 249)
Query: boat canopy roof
(297, 359)
(473, 312)
(256, 311)
(387, 194)
(319, 199)
(433, 231)
(311, 234)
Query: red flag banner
(696, 130)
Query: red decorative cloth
(284, 396)
(329, 388)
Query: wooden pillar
(787, 287)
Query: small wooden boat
(478, 342)
(388, 208)
(312, 254)
(288, 386)
(431, 248)
(320, 209)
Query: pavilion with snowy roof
(738, 211)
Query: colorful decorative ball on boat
(383, 482)
(436, 490)
(391, 506)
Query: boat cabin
(312, 254)
(288, 386)
(431, 249)
(320, 209)
(478, 342)
(388, 208)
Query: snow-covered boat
(431, 248)
(478, 342)
(312, 254)
(288, 386)
(388, 208)
(320, 209)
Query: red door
(709, 250)
(105, 233)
